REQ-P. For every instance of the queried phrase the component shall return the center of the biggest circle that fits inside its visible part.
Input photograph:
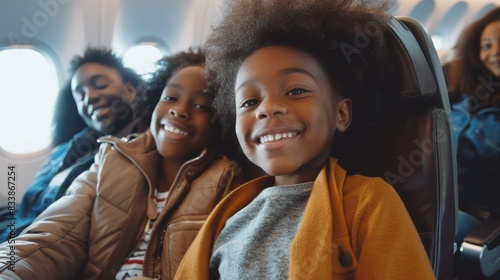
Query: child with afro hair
(295, 75)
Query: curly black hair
(66, 121)
(166, 67)
(347, 38)
(108, 58)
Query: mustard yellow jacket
(354, 227)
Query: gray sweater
(255, 242)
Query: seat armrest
(487, 233)
(480, 250)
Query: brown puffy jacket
(90, 232)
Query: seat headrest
(417, 79)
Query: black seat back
(413, 150)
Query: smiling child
(293, 89)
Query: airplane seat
(413, 150)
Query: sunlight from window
(142, 59)
(28, 90)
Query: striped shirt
(132, 267)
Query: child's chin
(277, 172)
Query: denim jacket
(476, 130)
(56, 174)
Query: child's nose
(270, 107)
(179, 112)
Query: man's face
(102, 98)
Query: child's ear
(344, 114)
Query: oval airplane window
(28, 90)
(142, 58)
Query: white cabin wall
(175, 25)
(444, 18)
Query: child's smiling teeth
(277, 136)
(174, 130)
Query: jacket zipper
(132, 160)
(157, 254)
(148, 221)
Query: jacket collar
(141, 150)
(325, 205)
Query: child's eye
(203, 107)
(296, 91)
(248, 103)
(169, 98)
